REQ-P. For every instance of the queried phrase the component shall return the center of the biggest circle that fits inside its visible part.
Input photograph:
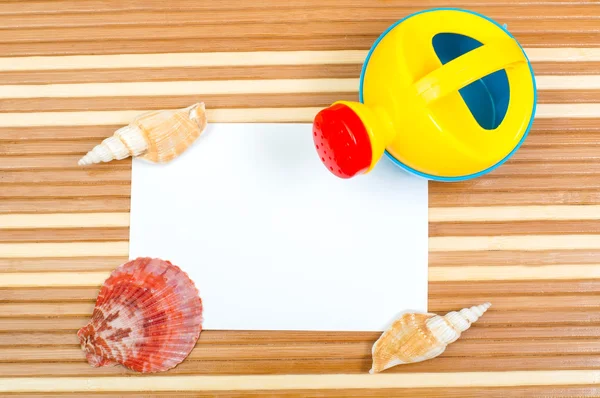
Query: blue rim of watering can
(470, 176)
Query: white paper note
(274, 241)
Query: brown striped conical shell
(416, 337)
(158, 136)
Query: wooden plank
(461, 348)
(88, 175)
(228, 100)
(504, 228)
(571, 196)
(314, 382)
(256, 115)
(64, 220)
(201, 66)
(556, 60)
(117, 72)
(436, 304)
(245, 86)
(176, 101)
(193, 16)
(516, 272)
(456, 392)
(41, 7)
(64, 235)
(514, 257)
(79, 190)
(513, 213)
(437, 290)
(94, 118)
(32, 205)
(529, 242)
(577, 45)
(79, 249)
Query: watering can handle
(468, 68)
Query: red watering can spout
(342, 141)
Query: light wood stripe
(197, 88)
(57, 279)
(574, 82)
(547, 111)
(313, 382)
(514, 272)
(173, 60)
(77, 249)
(527, 242)
(256, 115)
(64, 220)
(253, 58)
(251, 115)
(210, 87)
(513, 213)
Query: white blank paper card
(274, 241)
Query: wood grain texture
(526, 237)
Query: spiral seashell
(158, 136)
(148, 317)
(416, 337)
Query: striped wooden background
(526, 238)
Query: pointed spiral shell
(416, 337)
(158, 136)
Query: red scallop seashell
(148, 318)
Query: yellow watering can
(448, 94)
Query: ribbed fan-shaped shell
(416, 337)
(148, 317)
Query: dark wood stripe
(278, 25)
(168, 102)
(64, 235)
(568, 96)
(544, 169)
(49, 147)
(440, 198)
(57, 162)
(283, 43)
(567, 124)
(184, 73)
(22, 134)
(64, 205)
(41, 7)
(75, 264)
(87, 175)
(66, 191)
(515, 184)
(501, 228)
(556, 153)
(318, 13)
(565, 68)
